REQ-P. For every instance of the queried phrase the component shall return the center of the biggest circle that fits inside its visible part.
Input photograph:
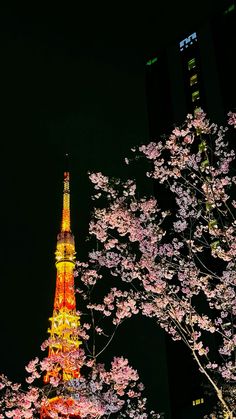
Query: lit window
(191, 64)
(181, 45)
(197, 402)
(196, 110)
(195, 96)
(193, 79)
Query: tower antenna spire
(67, 162)
(65, 223)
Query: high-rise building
(64, 321)
(195, 71)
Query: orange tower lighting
(64, 321)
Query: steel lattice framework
(65, 321)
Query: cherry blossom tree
(175, 251)
(99, 391)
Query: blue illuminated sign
(188, 41)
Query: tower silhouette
(65, 321)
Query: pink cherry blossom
(176, 257)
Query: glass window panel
(191, 64)
(195, 96)
(193, 80)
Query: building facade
(195, 71)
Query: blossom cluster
(97, 392)
(176, 258)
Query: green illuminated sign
(152, 61)
(230, 9)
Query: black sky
(72, 80)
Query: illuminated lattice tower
(64, 321)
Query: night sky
(72, 80)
